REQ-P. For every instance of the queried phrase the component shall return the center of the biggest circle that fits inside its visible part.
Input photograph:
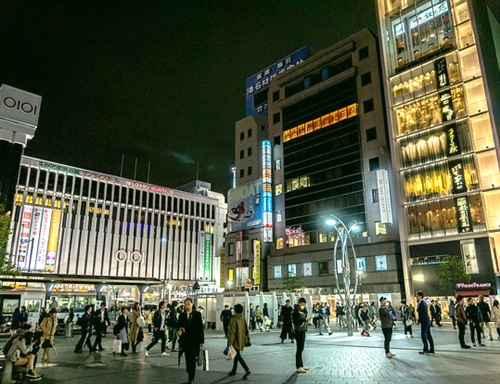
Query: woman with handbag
(239, 339)
(122, 325)
(136, 334)
(48, 329)
(300, 324)
(408, 318)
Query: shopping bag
(231, 353)
(206, 361)
(117, 346)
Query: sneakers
(301, 370)
(389, 355)
(406, 336)
(306, 368)
(231, 373)
(392, 354)
(246, 374)
(146, 353)
(367, 334)
(363, 334)
(164, 354)
(32, 374)
(412, 336)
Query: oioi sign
(135, 256)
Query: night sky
(160, 81)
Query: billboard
(260, 81)
(245, 207)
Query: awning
(473, 292)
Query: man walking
(159, 324)
(225, 317)
(324, 318)
(461, 321)
(436, 313)
(386, 320)
(425, 324)
(172, 320)
(286, 317)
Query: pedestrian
(191, 336)
(19, 353)
(461, 321)
(286, 320)
(451, 313)
(225, 317)
(407, 317)
(24, 316)
(324, 318)
(474, 316)
(258, 318)
(43, 315)
(86, 329)
(373, 315)
(425, 324)
(364, 319)
(159, 327)
(15, 321)
(136, 334)
(48, 329)
(495, 316)
(268, 323)
(252, 318)
(386, 321)
(436, 313)
(393, 313)
(122, 322)
(68, 324)
(485, 310)
(103, 316)
(172, 322)
(238, 332)
(300, 323)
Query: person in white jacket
(495, 316)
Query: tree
(292, 283)
(6, 265)
(452, 273)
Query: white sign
(384, 196)
(135, 256)
(19, 106)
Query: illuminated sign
(322, 122)
(384, 196)
(452, 143)
(20, 106)
(55, 223)
(457, 176)
(24, 236)
(135, 256)
(207, 255)
(428, 14)
(446, 104)
(261, 80)
(463, 214)
(473, 285)
(245, 204)
(441, 73)
(222, 271)
(256, 260)
(267, 194)
(201, 259)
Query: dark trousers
(85, 338)
(172, 336)
(475, 327)
(454, 322)
(158, 336)
(239, 359)
(407, 328)
(226, 328)
(191, 354)
(286, 330)
(461, 334)
(98, 338)
(387, 339)
(425, 334)
(301, 341)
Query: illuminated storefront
(442, 132)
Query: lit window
(307, 269)
(279, 243)
(277, 271)
(278, 189)
(380, 229)
(360, 263)
(292, 269)
(278, 217)
(277, 164)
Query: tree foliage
(6, 265)
(292, 283)
(452, 273)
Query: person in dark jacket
(172, 323)
(15, 322)
(238, 330)
(300, 321)
(43, 315)
(286, 318)
(485, 310)
(385, 315)
(159, 327)
(474, 316)
(461, 321)
(24, 316)
(191, 336)
(425, 324)
(436, 313)
(86, 331)
(225, 317)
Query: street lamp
(343, 240)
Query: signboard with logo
(463, 214)
(261, 80)
(457, 176)
(441, 73)
(245, 206)
(19, 106)
(384, 195)
(446, 105)
(256, 260)
(452, 143)
(207, 256)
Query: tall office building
(441, 77)
(330, 157)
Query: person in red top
(461, 321)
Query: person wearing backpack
(86, 327)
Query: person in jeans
(363, 319)
(425, 324)
(159, 326)
(238, 330)
(461, 321)
(385, 315)
(299, 317)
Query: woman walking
(48, 328)
(136, 334)
(68, 324)
(15, 321)
(300, 324)
(238, 331)
(123, 327)
(495, 316)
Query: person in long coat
(123, 326)
(136, 334)
(238, 330)
(48, 328)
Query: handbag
(409, 322)
(231, 353)
(302, 327)
(140, 321)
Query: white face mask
(302, 306)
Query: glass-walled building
(443, 137)
(69, 221)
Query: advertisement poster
(53, 240)
(207, 260)
(36, 224)
(24, 236)
(41, 255)
(256, 261)
(245, 207)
